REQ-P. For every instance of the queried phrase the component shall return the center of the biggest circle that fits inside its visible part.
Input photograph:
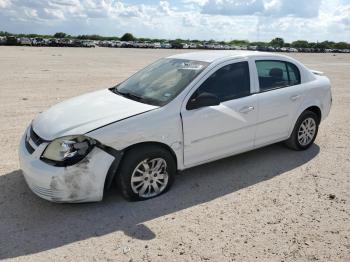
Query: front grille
(32, 141)
(35, 138)
(29, 147)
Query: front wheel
(304, 132)
(146, 172)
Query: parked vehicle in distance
(3, 40)
(166, 45)
(157, 45)
(83, 42)
(179, 112)
(24, 41)
(11, 40)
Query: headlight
(67, 150)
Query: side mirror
(202, 100)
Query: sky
(253, 20)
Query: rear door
(279, 97)
(216, 131)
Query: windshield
(161, 81)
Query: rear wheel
(304, 132)
(146, 172)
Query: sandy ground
(271, 204)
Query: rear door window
(276, 74)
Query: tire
(131, 180)
(297, 143)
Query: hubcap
(306, 131)
(150, 177)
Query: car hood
(84, 113)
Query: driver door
(212, 132)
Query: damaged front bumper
(82, 182)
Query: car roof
(212, 56)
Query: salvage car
(179, 112)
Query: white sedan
(179, 112)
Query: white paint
(196, 136)
(81, 114)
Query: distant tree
(324, 45)
(259, 44)
(127, 37)
(177, 41)
(277, 42)
(144, 39)
(239, 42)
(341, 45)
(300, 44)
(312, 45)
(157, 40)
(91, 37)
(83, 37)
(4, 33)
(60, 35)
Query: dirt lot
(271, 204)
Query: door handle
(246, 109)
(295, 97)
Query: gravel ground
(272, 204)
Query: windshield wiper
(128, 95)
(135, 97)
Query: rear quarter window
(294, 74)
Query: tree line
(276, 42)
